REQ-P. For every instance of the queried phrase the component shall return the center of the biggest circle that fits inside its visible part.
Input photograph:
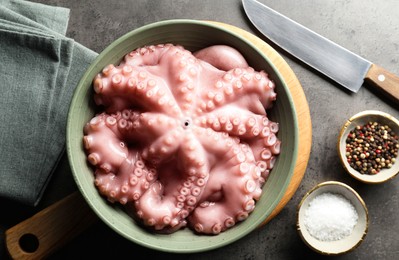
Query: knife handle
(384, 81)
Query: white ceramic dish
(343, 245)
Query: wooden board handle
(384, 81)
(50, 229)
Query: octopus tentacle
(165, 207)
(244, 88)
(144, 127)
(133, 176)
(228, 196)
(236, 122)
(119, 87)
(163, 148)
(147, 55)
(182, 67)
(102, 128)
(265, 147)
(256, 130)
(222, 57)
(184, 71)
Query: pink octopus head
(185, 137)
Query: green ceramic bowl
(193, 35)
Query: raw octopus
(184, 139)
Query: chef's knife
(336, 62)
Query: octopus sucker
(242, 215)
(162, 148)
(199, 228)
(133, 180)
(108, 69)
(275, 148)
(94, 158)
(98, 85)
(184, 138)
(258, 192)
(238, 194)
(250, 186)
(274, 127)
(266, 154)
(270, 140)
(270, 162)
(216, 228)
(249, 205)
(117, 80)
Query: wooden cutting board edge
(302, 111)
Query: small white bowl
(345, 244)
(363, 118)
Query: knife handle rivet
(381, 77)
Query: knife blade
(341, 65)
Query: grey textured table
(367, 27)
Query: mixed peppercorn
(371, 148)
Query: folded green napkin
(39, 70)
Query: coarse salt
(330, 217)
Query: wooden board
(56, 225)
(301, 107)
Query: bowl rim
(358, 198)
(129, 34)
(342, 157)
